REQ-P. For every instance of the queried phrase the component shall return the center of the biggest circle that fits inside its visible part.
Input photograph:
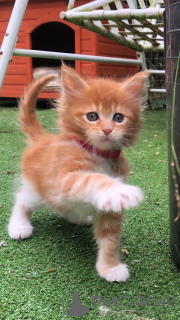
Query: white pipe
(69, 56)
(117, 15)
(91, 5)
(10, 37)
(156, 71)
(158, 90)
(70, 4)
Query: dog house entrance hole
(52, 36)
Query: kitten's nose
(107, 131)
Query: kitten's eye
(92, 116)
(118, 117)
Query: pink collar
(110, 154)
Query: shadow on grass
(64, 235)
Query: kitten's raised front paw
(119, 273)
(20, 230)
(131, 196)
(121, 197)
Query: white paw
(131, 196)
(119, 273)
(122, 196)
(20, 229)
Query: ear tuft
(135, 84)
(71, 81)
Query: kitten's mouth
(105, 139)
(106, 143)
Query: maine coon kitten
(81, 172)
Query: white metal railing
(138, 27)
(141, 29)
(71, 56)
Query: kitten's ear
(135, 84)
(71, 81)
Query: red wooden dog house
(42, 29)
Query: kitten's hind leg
(19, 226)
(106, 233)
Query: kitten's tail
(28, 119)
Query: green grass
(27, 291)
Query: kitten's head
(102, 112)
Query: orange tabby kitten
(81, 172)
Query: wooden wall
(106, 47)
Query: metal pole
(172, 45)
(69, 56)
(10, 37)
(156, 71)
(158, 90)
(117, 15)
(90, 6)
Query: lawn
(39, 274)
